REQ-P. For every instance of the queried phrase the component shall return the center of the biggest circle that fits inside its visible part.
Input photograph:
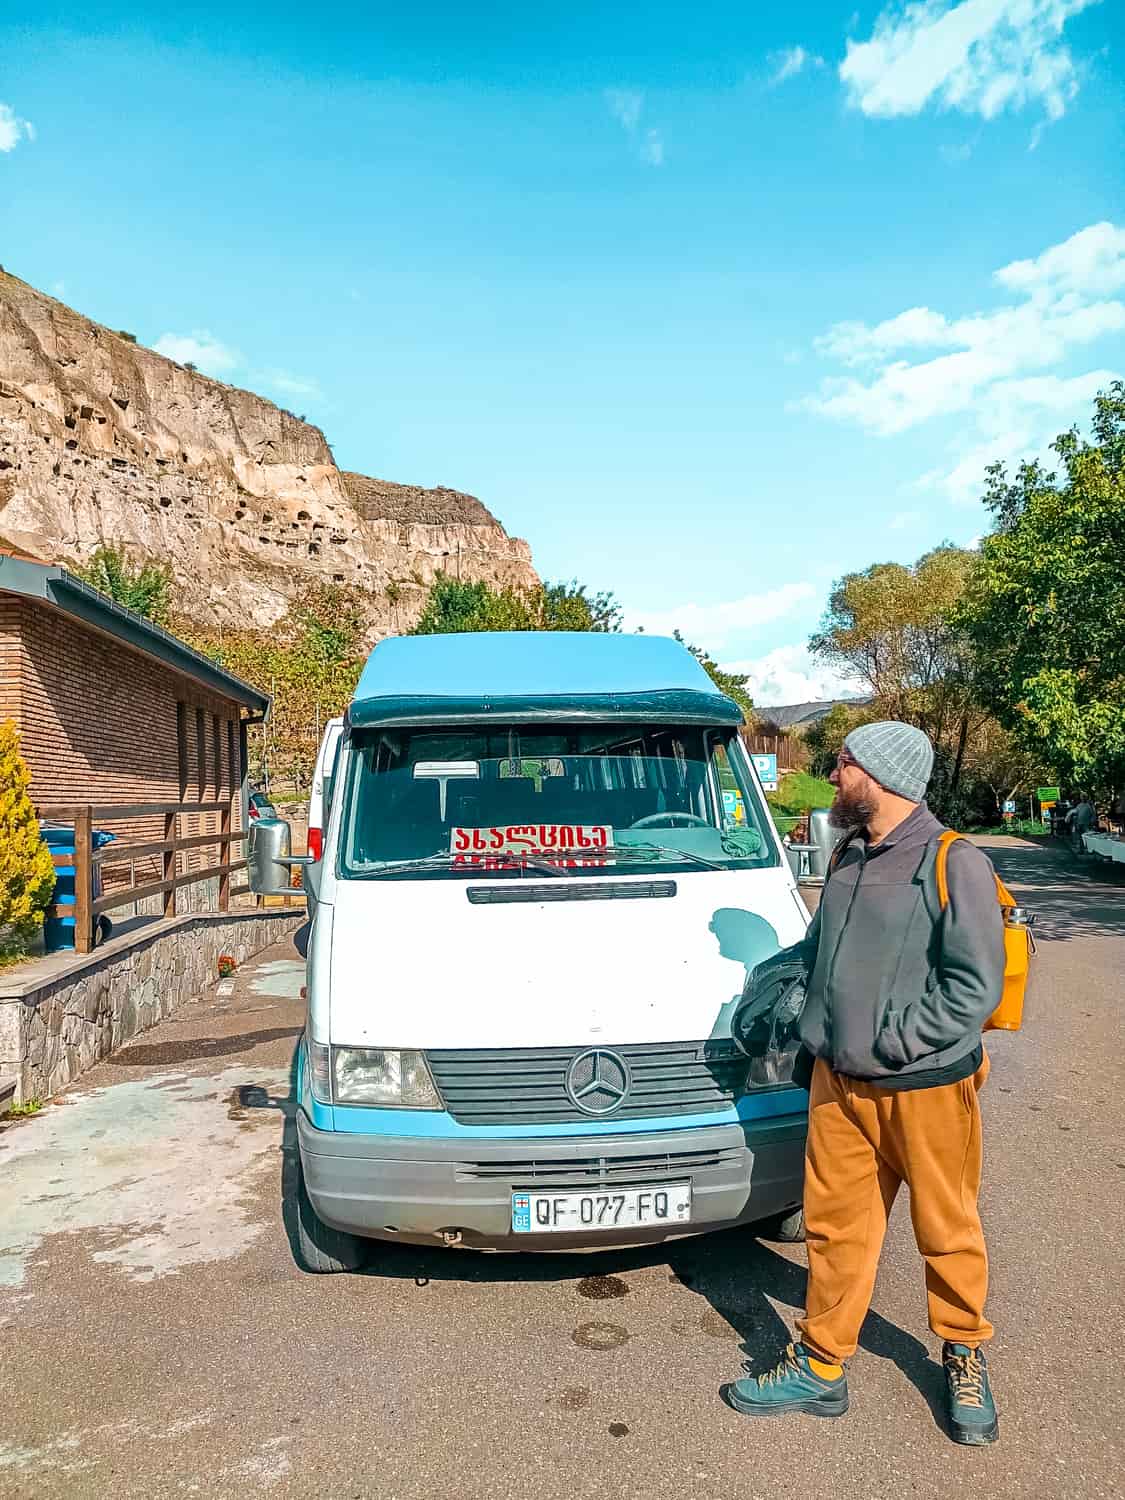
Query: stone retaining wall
(60, 1015)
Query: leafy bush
(310, 661)
(27, 876)
(146, 589)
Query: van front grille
(527, 1085)
(594, 1171)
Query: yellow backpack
(1018, 943)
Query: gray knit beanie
(897, 756)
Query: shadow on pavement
(1071, 897)
(737, 1276)
(194, 1049)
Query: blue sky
(711, 303)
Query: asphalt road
(158, 1339)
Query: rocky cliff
(103, 441)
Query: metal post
(83, 880)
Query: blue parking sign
(766, 767)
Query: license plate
(563, 1213)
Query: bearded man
(898, 991)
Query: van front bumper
(459, 1190)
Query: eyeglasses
(844, 759)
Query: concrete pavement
(158, 1339)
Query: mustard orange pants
(863, 1143)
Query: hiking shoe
(792, 1385)
(968, 1396)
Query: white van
(536, 912)
(320, 794)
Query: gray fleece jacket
(896, 986)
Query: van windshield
(551, 799)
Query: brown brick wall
(98, 723)
(9, 658)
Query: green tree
(454, 607)
(900, 631)
(393, 592)
(731, 683)
(145, 588)
(1000, 765)
(825, 737)
(310, 662)
(1047, 612)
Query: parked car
(535, 915)
(260, 806)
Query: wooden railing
(85, 860)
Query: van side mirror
(269, 859)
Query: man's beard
(854, 811)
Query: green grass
(799, 793)
(27, 1107)
(796, 796)
(12, 951)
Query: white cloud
(979, 57)
(626, 106)
(1090, 263)
(789, 674)
(1019, 418)
(13, 129)
(904, 519)
(652, 148)
(999, 367)
(854, 343)
(1062, 309)
(291, 385)
(791, 61)
(712, 625)
(201, 349)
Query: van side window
(731, 800)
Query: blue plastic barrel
(58, 932)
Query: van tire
(786, 1229)
(322, 1249)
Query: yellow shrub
(27, 876)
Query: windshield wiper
(622, 850)
(445, 859)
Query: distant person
(1080, 819)
(898, 992)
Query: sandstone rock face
(103, 441)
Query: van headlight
(377, 1075)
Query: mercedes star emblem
(598, 1081)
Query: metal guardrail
(85, 860)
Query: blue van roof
(533, 675)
